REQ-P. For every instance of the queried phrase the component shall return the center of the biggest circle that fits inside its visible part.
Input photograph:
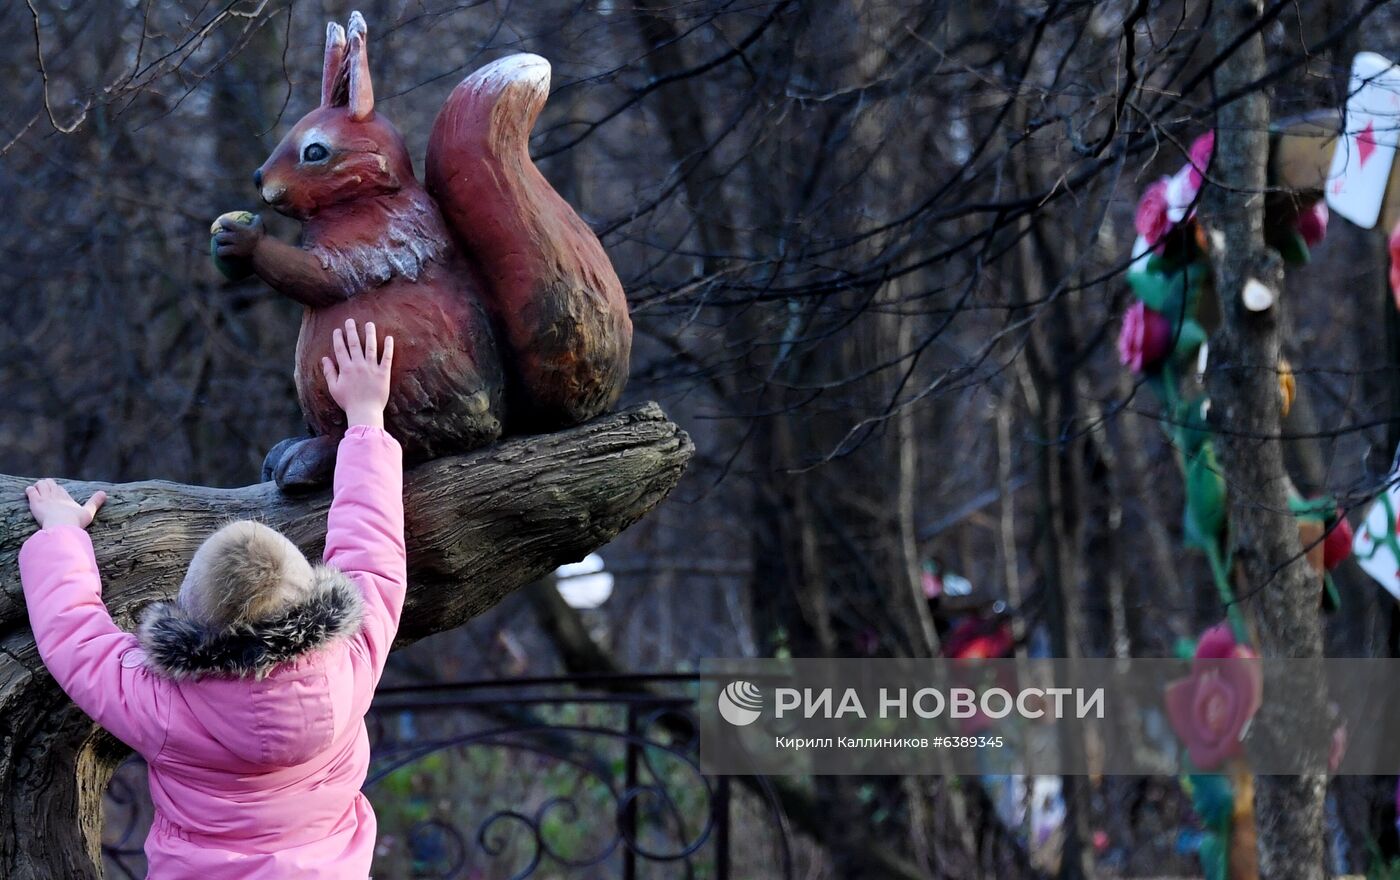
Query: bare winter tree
(874, 257)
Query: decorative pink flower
(1216, 643)
(1312, 223)
(1151, 219)
(1169, 200)
(1201, 150)
(1145, 339)
(1210, 708)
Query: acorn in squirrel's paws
(232, 268)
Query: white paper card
(1365, 152)
(1376, 545)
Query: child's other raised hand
(53, 506)
(359, 378)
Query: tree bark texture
(1273, 577)
(478, 526)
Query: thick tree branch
(478, 526)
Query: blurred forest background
(873, 252)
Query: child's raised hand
(53, 506)
(359, 379)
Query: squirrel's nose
(257, 178)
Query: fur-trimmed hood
(180, 647)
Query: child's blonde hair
(242, 573)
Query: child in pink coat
(247, 695)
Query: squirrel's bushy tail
(559, 308)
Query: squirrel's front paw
(233, 238)
(236, 235)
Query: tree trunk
(1061, 486)
(477, 526)
(1246, 414)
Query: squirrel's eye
(314, 153)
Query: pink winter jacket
(251, 777)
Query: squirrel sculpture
(506, 313)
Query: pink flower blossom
(1210, 708)
(1312, 223)
(1201, 150)
(1216, 643)
(1145, 339)
(1151, 219)
(1169, 200)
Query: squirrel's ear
(334, 67)
(361, 91)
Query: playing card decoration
(1375, 545)
(1361, 161)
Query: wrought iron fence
(559, 777)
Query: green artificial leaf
(1321, 509)
(1292, 247)
(1189, 338)
(1177, 304)
(1183, 292)
(1153, 288)
(1205, 497)
(1197, 272)
(1167, 257)
(1158, 383)
(1191, 535)
(1213, 799)
(1192, 429)
(1215, 856)
(1331, 596)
